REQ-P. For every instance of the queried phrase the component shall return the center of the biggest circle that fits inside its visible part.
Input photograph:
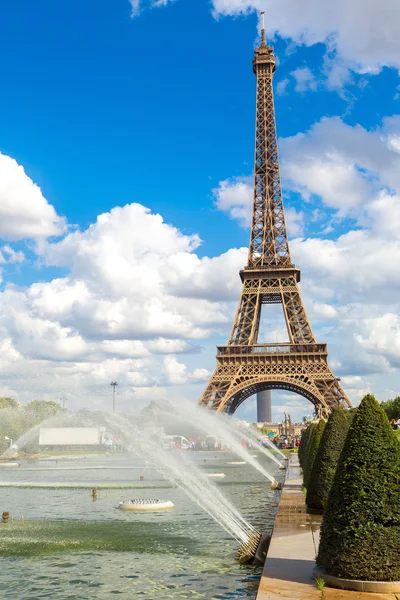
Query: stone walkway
(288, 569)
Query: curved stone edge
(357, 585)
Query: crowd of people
(286, 442)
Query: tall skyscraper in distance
(264, 408)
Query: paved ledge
(288, 569)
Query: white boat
(145, 504)
(7, 465)
(215, 475)
(236, 462)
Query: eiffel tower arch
(245, 367)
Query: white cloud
(363, 33)
(305, 80)
(334, 75)
(325, 312)
(356, 265)
(318, 163)
(356, 172)
(135, 296)
(135, 4)
(177, 373)
(337, 74)
(294, 222)
(24, 212)
(354, 381)
(383, 336)
(282, 86)
(191, 277)
(123, 285)
(235, 196)
(10, 256)
(346, 166)
(139, 5)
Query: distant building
(279, 428)
(275, 428)
(85, 438)
(299, 428)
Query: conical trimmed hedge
(360, 533)
(324, 468)
(305, 446)
(312, 450)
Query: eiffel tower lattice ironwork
(245, 367)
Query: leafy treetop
(8, 403)
(392, 408)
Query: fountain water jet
(190, 479)
(30, 435)
(214, 424)
(254, 435)
(250, 436)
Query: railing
(272, 267)
(273, 349)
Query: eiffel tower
(245, 367)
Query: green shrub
(312, 450)
(305, 444)
(324, 467)
(360, 533)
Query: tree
(324, 467)
(43, 409)
(360, 533)
(392, 408)
(10, 427)
(8, 403)
(312, 450)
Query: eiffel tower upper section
(269, 248)
(270, 272)
(244, 366)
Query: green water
(69, 547)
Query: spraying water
(252, 437)
(174, 467)
(255, 435)
(248, 434)
(211, 424)
(30, 435)
(185, 475)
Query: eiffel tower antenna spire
(263, 43)
(245, 366)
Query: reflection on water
(69, 547)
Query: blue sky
(103, 109)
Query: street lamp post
(113, 385)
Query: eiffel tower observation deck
(245, 367)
